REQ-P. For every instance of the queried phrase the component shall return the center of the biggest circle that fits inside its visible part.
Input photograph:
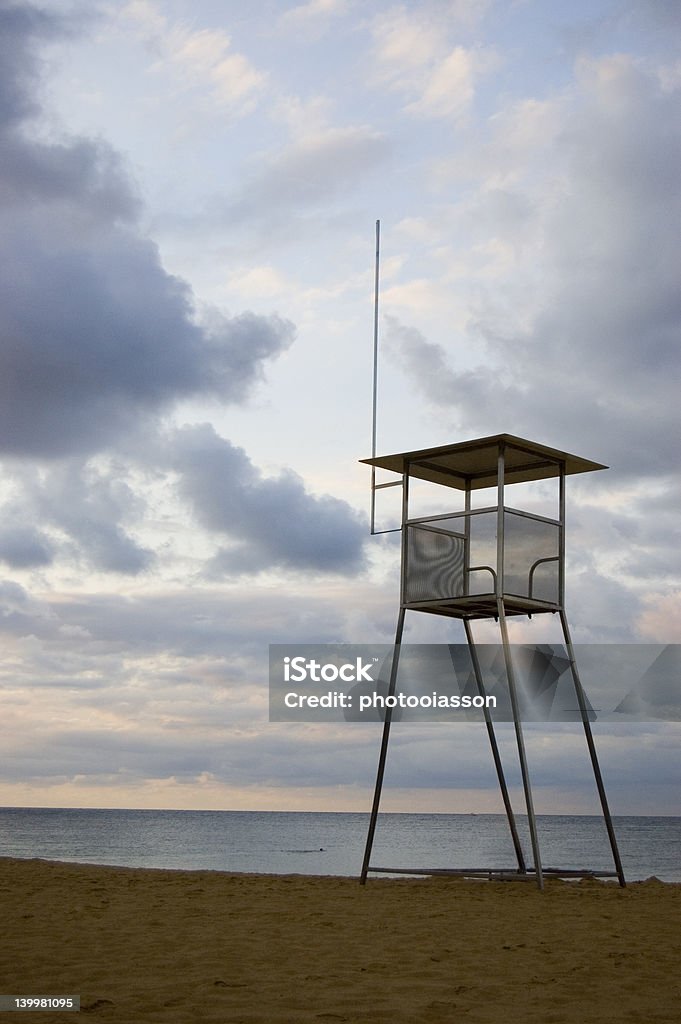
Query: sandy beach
(181, 946)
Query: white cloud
(660, 619)
(514, 147)
(258, 282)
(316, 10)
(449, 88)
(199, 57)
(670, 76)
(146, 14)
(405, 42)
(413, 56)
(420, 295)
(303, 117)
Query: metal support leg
(495, 748)
(510, 675)
(592, 749)
(384, 750)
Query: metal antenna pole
(375, 384)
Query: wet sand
(194, 946)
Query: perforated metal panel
(531, 555)
(435, 564)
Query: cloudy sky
(188, 192)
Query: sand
(195, 946)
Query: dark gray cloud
(93, 510)
(95, 336)
(46, 172)
(24, 547)
(97, 339)
(87, 516)
(21, 614)
(90, 511)
(19, 24)
(215, 622)
(651, 536)
(270, 521)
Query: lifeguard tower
(488, 562)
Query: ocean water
(299, 842)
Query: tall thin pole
(375, 383)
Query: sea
(314, 843)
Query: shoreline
(400, 874)
(142, 945)
(378, 876)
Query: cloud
(413, 56)
(449, 88)
(403, 39)
(591, 349)
(98, 341)
(95, 336)
(303, 15)
(309, 172)
(575, 342)
(91, 508)
(664, 14)
(18, 76)
(88, 513)
(21, 614)
(271, 521)
(174, 683)
(24, 547)
(94, 513)
(197, 57)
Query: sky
(188, 195)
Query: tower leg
(510, 675)
(592, 749)
(384, 750)
(495, 748)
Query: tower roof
(476, 462)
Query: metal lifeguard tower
(487, 562)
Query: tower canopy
(475, 463)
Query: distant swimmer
(321, 850)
